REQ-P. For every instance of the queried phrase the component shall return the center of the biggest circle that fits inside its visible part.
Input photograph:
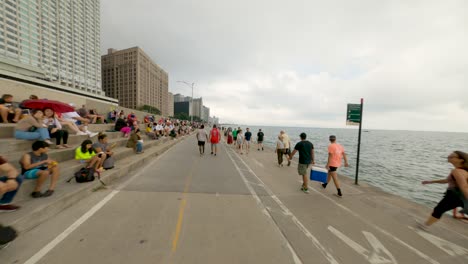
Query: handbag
(108, 163)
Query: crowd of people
(455, 196)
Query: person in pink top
(335, 154)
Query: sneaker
(262, 148)
(36, 194)
(324, 185)
(289, 163)
(422, 226)
(305, 190)
(48, 142)
(258, 149)
(8, 207)
(92, 134)
(80, 133)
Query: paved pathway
(184, 208)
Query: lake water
(394, 161)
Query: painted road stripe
(287, 212)
(419, 253)
(285, 241)
(52, 244)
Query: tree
(149, 109)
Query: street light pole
(190, 85)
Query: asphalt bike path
(231, 208)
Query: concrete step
(62, 155)
(8, 145)
(8, 130)
(35, 211)
(69, 167)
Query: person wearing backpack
(215, 136)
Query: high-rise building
(197, 107)
(56, 41)
(132, 77)
(170, 104)
(206, 114)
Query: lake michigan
(394, 161)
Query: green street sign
(353, 114)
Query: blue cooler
(318, 174)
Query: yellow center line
(183, 203)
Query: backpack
(108, 163)
(84, 175)
(7, 234)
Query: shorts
(235, 138)
(247, 142)
(201, 143)
(333, 168)
(450, 201)
(32, 174)
(302, 169)
(260, 141)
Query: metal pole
(359, 144)
(191, 117)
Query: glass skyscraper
(54, 40)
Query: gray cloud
(301, 62)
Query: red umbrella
(57, 106)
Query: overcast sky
(299, 63)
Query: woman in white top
(280, 150)
(240, 141)
(55, 128)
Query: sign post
(354, 118)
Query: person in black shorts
(202, 137)
(457, 190)
(260, 136)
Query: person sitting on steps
(37, 165)
(87, 154)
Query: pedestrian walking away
(336, 152)
(214, 138)
(457, 191)
(240, 141)
(306, 157)
(247, 138)
(287, 146)
(234, 135)
(229, 137)
(202, 136)
(279, 150)
(260, 136)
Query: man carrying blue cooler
(336, 152)
(306, 157)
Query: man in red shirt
(215, 137)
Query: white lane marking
(52, 244)
(447, 246)
(378, 250)
(419, 253)
(259, 163)
(296, 258)
(286, 211)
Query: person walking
(457, 190)
(279, 150)
(215, 137)
(239, 141)
(260, 136)
(287, 146)
(306, 157)
(202, 136)
(229, 137)
(234, 135)
(247, 138)
(336, 152)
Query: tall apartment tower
(131, 76)
(170, 104)
(53, 40)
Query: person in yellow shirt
(86, 154)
